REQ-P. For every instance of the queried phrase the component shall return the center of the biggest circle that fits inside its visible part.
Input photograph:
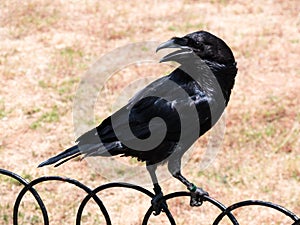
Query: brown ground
(45, 48)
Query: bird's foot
(197, 195)
(158, 203)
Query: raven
(189, 100)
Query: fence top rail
(92, 193)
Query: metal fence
(92, 194)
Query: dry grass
(45, 48)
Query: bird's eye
(196, 44)
(199, 45)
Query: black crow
(190, 100)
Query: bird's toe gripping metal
(158, 203)
(197, 195)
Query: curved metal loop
(188, 194)
(37, 197)
(57, 178)
(225, 211)
(279, 208)
(103, 187)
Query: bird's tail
(68, 154)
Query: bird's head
(203, 44)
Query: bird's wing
(150, 90)
(163, 99)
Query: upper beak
(176, 55)
(168, 44)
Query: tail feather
(73, 152)
(67, 159)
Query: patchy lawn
(47, 46)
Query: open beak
(176, 55)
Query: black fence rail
(92, 194)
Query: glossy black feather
(147, 104)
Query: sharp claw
(197, 196)
(158, 204)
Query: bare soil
(47, 46)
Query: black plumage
(189, 100)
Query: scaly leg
(157, 202)
(197, 193)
